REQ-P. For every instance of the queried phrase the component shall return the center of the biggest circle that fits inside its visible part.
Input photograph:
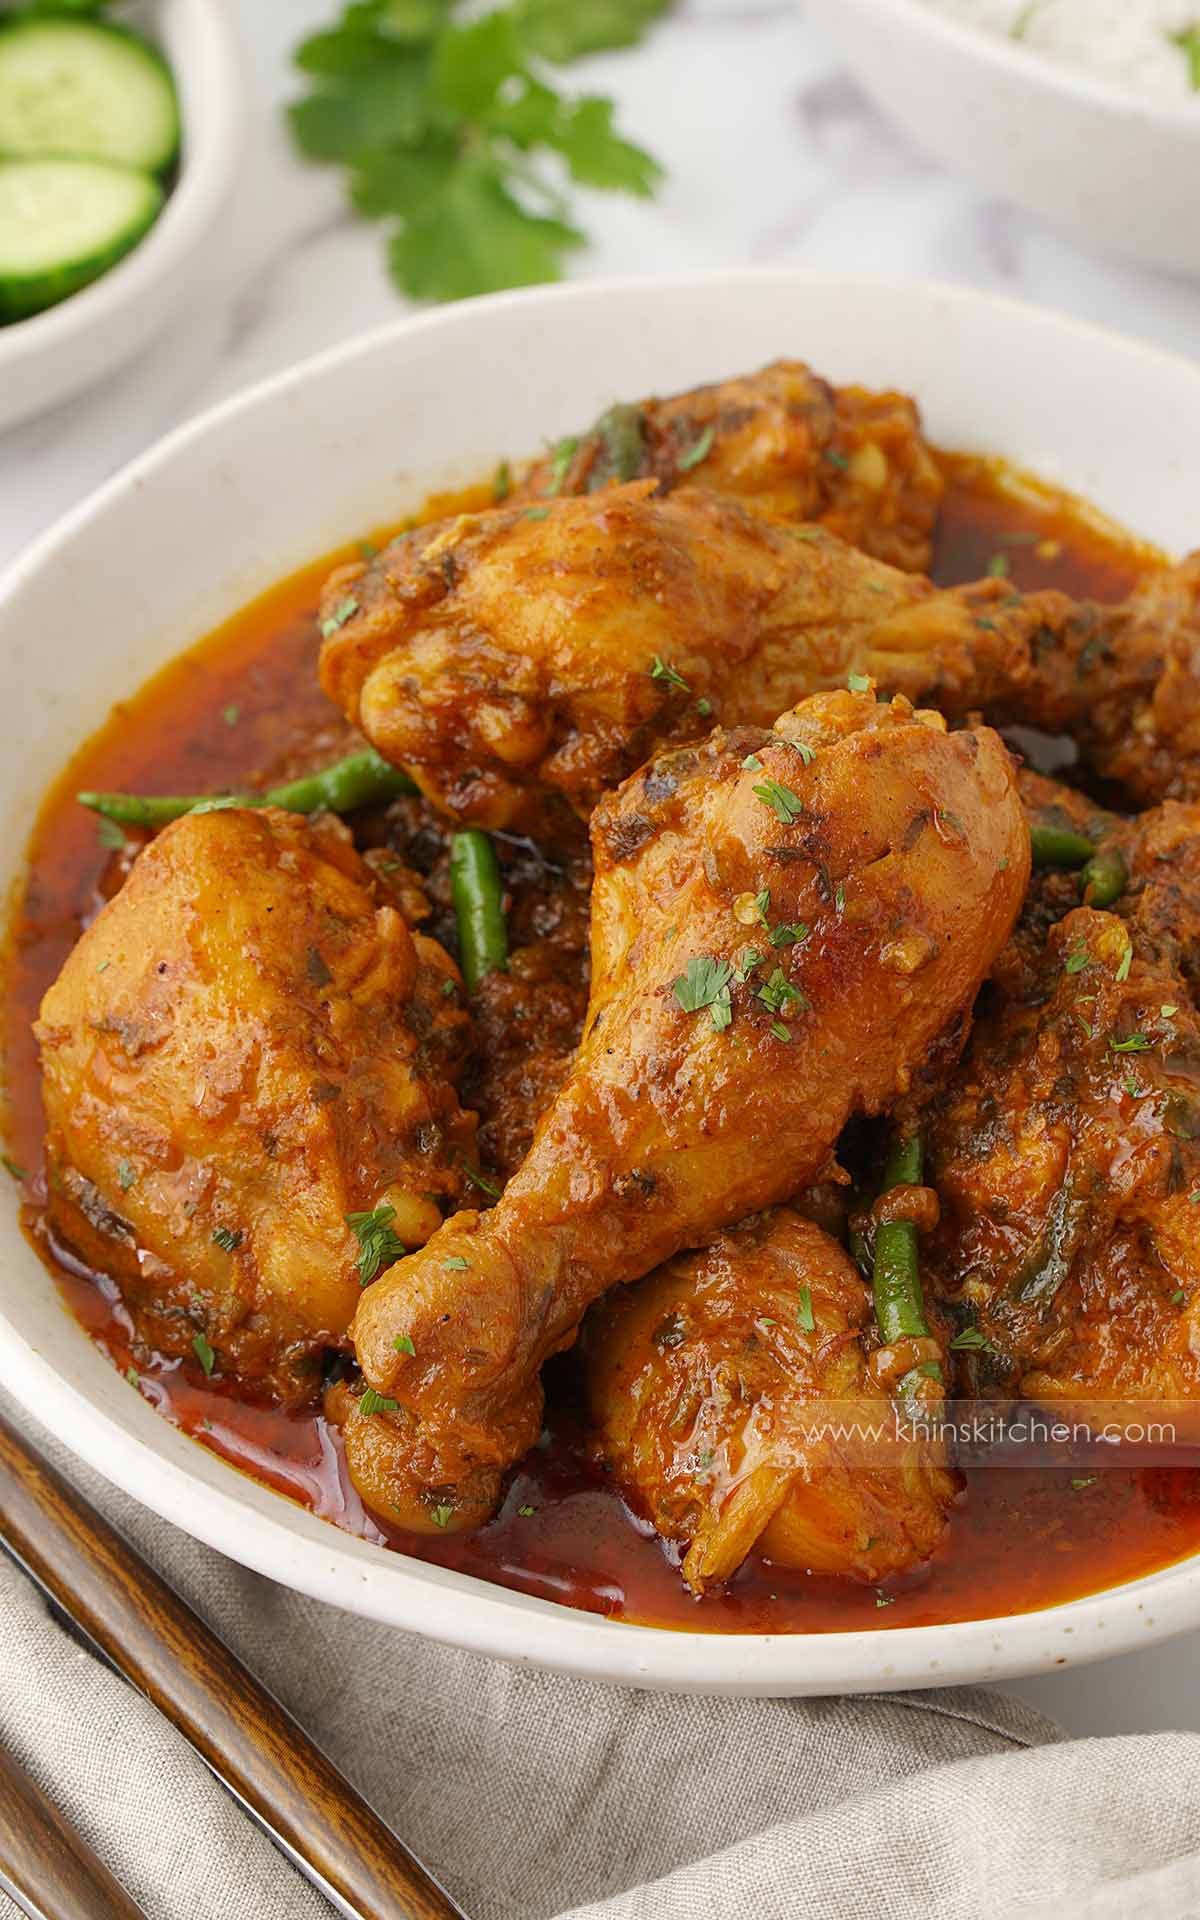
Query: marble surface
(772, 156)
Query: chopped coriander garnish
(762, 903)
(663, 670)
(232, 714)
(1125, 963)
(1087, 1480)
(204, 1353)
(456, 1264)
(1076, 962)
(999, 566)
(807, 753)
(403, 1344)
(1136, 1043)
(563, 454)
(537, 513)
(443, 1515)
(779, 993)
(526, 1511)
(704, 706)
(1194, 1198)
(837, 459)
(1187, 39)
(884, 1599)
(229, 1239)
(104, 965)
(784, 804)
(859, 683)
(780, 1031)
(1179, 1296)
(368, 550)
(338, 618)
(133, 1376)
(839, 896)
(11, 1168)
(370, 1402)
(1168, 1011)
(789, 934)
(805, 1317)
(1002, 864)
(765, 1322)
(698, 451)
(746, 961)
(481, 1181)
(109, 834)
(971, 1340)
(752, 763)
(378, 1245)
(125, 1175)
(502, 481)
(706, 984)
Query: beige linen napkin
(532, 1796)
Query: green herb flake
(133, 1376)
(779, 994)
(110, 834)
(229, 1239)
(1085, 1480)
(836, 459)
(232, 714)
(780, 1031)
(789, 934)
(706, 984)
(999, 566)
(371, 1403)
(1126, 962)
(699, 450)
(12, 1169)
(403, 1344)
(663, 670)
(125, 1175)
(368, 550)
(1078, 961)
(502, 482)
(562, 454)
(859, 683)
(338, 618)
(704, 706)
(746, 961)
(805, 1318)
(204, 1354)
(1178, 1297)
(1168, 1011)
(378, 1245)
(537, 513)
(807, 753)
(884, 1599)
(752, 763)
(839, 897)
(971, 1340)
(1187, 39)
(1136, 1043)
(481, 1181)
(456, 1264)
(526, 1512)
(784, 804)
(443, 1515)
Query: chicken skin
(781, 440)
(783, 922)
(1066, 1157)
(246, 1046)
(532, 654)
(734, 1400)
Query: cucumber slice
(98, 93)
(63, 223)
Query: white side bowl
(1117, 172)
(233, 501)
(57, 353)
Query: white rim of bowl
(460, 1609)
(1030, 63)
(209, 156)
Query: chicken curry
(570, 1037)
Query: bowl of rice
(1086, 111)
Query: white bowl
(1117, 171)
(56, 353)
(231, 502)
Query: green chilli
(361, 780)
(478, 893)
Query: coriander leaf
(784, 804)
(370, 1403)
(456, 1264)
(386, 102)
(12, 1169)
(204, 1354)
(697, 452)
(378, 1245)
(858, 683)
(804, 1311)
(663, 670)
(526, 1511)
(706, 984)
(403, 1344)
(779, 994)
(229, 1239)
(597, 156)
(971, 1340)
(1187, 39)
(125, 1175)
(622, 435)
(1125, 963)
(476, 238)
(1136, 1043)
(401, 179)
(472, 63)
(562, 30)
(480, 1180)
(789, 935)
(752, 763)
(443, 1515)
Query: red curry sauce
(243, 705)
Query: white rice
(1126, 41)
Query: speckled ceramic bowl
(215, 514)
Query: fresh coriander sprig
(451, 130)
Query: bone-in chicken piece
(736, 1404)
(1066, 1157)
(511, 656)
(782, 924)
(244, 1047)
(1124, 682)
(782, 440)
